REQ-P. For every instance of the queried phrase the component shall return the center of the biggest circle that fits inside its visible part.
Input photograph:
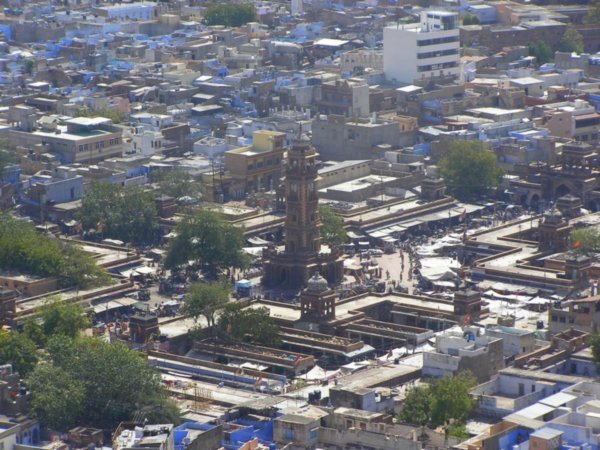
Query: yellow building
(259, 166)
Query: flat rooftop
(341, 165)
(284, 312)
(329, 42)
(350, 308)
(509, 263)
(64, 134)
(89, 121)
(496, 111)
(359, 183)
(296, 418)
(526, 80)
(509, 330)
(374, 376)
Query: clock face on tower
(302, 230)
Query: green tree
(593, 15)
(416, 409)
(61, 318)
(113, 114)
(56, 398)
(450, 399)
(205, 299)
(160, 409)
(230, 15)
(471, 19)
(586, 240)
(23, 249)
(32, 328)
(470, 169)
(458, 431)
(446, 402)
(177, 183)
(79, 268)
(205, 237)
(254, 323)
(128, 214)
(571, 41)
(60, 350)
(541, 51)
(332, 227)
(116, 382)
(17, 349)
(28, 65)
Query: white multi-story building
(132, 11)
(427, 49)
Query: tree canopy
(230, 15)
(417, 406)
(18, 350)
(205, 299)
(58, 399)
(332, 228)
(541, 51)
(586, 240)
(177, 183)
(205, 237)
(23, 249)
(470, 169)
(55, 321)
(253, 323)
(471, 19)
(124, 213)
(62, 318)
(446, 401)
(110, 383)
(593, 15)
(28, 65)
(451, 400)
(55, 318)
(571, 41)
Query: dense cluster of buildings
(346, 104)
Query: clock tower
(303, 254)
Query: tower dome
(317, 283)
(554, 216)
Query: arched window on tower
(293, 195)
